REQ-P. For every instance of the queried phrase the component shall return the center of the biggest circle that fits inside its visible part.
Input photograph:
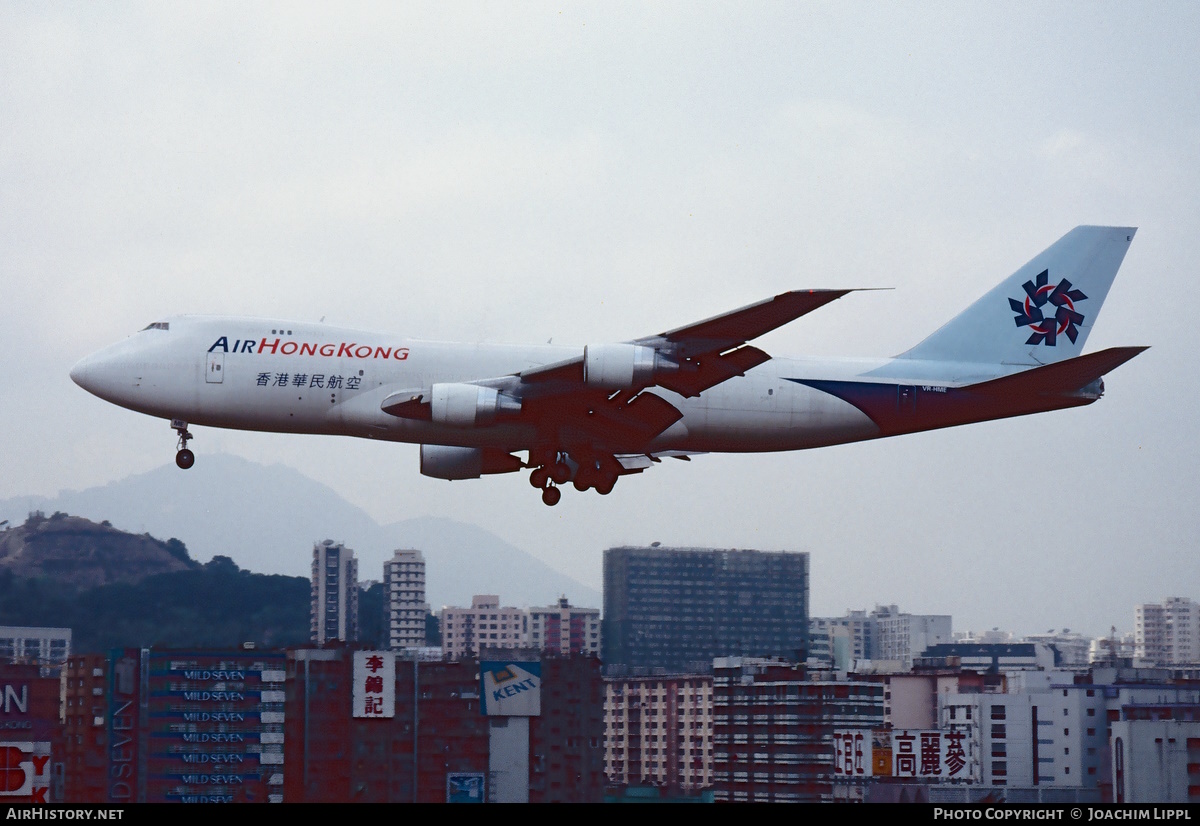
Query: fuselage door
(214, 372)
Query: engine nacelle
(448, 462)
(622, 366)
(469, 405)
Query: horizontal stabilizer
(1067, 376)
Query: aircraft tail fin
(1073, 376)
(1043, 312)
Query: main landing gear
(556, 470)
(184, 458)
(548, 477)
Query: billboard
(375, 684)
(213, 731)
(936, 755)
(464, 787)
(510, 689)
(123, 720)
(24, 772)
(852, 753)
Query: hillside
(117, 589)
(79, 554)
(273, 531)
(216, 605)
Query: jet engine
(622, 366)
(448, 462)
(469, 405)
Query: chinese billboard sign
(510, 689)
(852, 753)
(944, 755)
(375, 684)
(24, 772)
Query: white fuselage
(591, 414)
(253, 374)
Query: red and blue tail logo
(1046, 329)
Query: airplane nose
(116, 374)
(79, 372)
(101, 374)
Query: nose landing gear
(184, 458)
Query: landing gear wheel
(587, 476)
(605, 485)
(540, 477)
(184, 458)
(551, 495)
(560, 473)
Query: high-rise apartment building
(672, 610)
(148, 725)
(1167, 633)
(433, 733)
(334, 593)
(840, 642)
(485, 623)
(658, 731)
(901, 637)
(773, 730)
(566, 740)
(404, 605)
(84, 684)
(565, 629)
(47, 646)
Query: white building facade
(1073, 649)
(404, 605)
(47, 646)
(1037, 736)
(1167, 633)
(840, 642)
(565, 629)
(485, 623)
(1154, 761)
(658, 730)
(901, 637)
(334, 605)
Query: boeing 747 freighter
(588, 415)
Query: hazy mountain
(266, 518)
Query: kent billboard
(510, 689)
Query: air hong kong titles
(343, 349)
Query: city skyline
(376, 553)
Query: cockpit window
(158, 325)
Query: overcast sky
(520, 172)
